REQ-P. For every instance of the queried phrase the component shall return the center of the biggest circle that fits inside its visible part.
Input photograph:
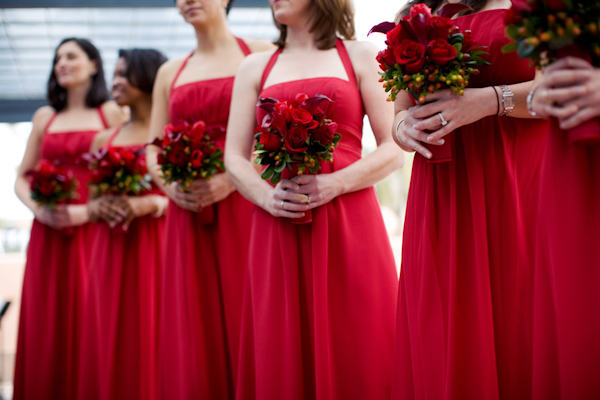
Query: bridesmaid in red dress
(58, 262)
(204, 263)
(567, 273)
(320, 298)
(465, 304)
(119, 334)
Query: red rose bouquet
(118, 171)
(546, 30)
(426, 53)
(51, 184)
(188, 152)
(294, 135)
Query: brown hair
(476, 5)
(329, 18)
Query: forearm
(24, 194)
(371, 169)
(154, 169)
(245, 178)
(520, 90)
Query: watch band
(508, 100)
(530, 103)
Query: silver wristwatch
(508, 100)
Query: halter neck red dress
(320, 298)
(466, 282)
(54, 286)
(567, 272)
(204, 266)
(118, 354)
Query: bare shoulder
(114, 114)
(101, 138)
(41, 117)
(166, 72)
(258, 45)
(255, 62)
(359, 48)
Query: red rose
(46, 188)
(439, 28)
(46, 169)
(161, 159)
(209, 148)
(556, 5)
(105, 169)
(197, 129)
(386, 59)
(468, 43)
(325, 133)
(196, 158)
(420, 9)
(301, 116)
(295, 140)
(410, 55)
(299, 99)
(270, 141)
(282, 110)
(397, 36)
(441, 51)
(114, 156)
(196, 140)
(320, 114)
(129, 158)
(177, 157)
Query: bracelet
(396, 131)
(497, 100)
(162, 205)
(529, 102)
(508, 100)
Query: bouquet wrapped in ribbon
(295, 135)
(546, 30)
(188, 152)
(118, 171)
(51, 184)
(427, 53)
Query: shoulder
(359, 48)
(258, 45)
(256, 62)
(113, 113)
(167, 71)
(101, 138)
(41, 117)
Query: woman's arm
(114, 114)
(240, 140)
(377, 165)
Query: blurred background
(29, 32)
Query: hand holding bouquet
(51, 185)
(547, 30)
(188, 152)
(295, 135)
(118, 171)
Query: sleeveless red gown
(204, 266)
(320, 298)
(54, 285)
(567, 272)
(118, 354)
(465, 299)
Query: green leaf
(275, 178)
(456, 38)
(525, 50)
(509, 48)
(512, 31)
(280, 168)
(458, 47)
(267, 173)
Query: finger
(286, 184)
(419, 148)
(425, 111)
(563, 95)
(566, 77)
(287, 206)
(578, 118)
(302, 179)
(418, 136)
(560, 112)
(568, 63)
(437, 137)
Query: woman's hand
(286, 201)
(144, 205)
(445, 111)
(213, 190)
(56, 218)
(112, 209)
(183, 197)
(318, 189)
(409, 138)
(570, 91)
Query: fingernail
(416, 127)
(441, 141)
(430, 138)
(428, 155)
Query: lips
(192, 10)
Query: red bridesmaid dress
(118, 354)
(320, 299)
(567, 272)
(466, 283)
(54, 285)
(203, 272)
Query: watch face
(508, 100)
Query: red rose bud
(386, 59)
(441, 52)
(420, 9)
(196, 159)
(439, 28)
(301, 116)
(46, 188)
(177, 157)
(295, 140)
(270, 141)
(410, 55)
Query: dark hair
(96, 95)
(476, 5)
(329, 18)
(226, 8)
(142, 66)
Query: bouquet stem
(206, 215)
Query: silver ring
(444, 122)
(308, 199)
(282, 203)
